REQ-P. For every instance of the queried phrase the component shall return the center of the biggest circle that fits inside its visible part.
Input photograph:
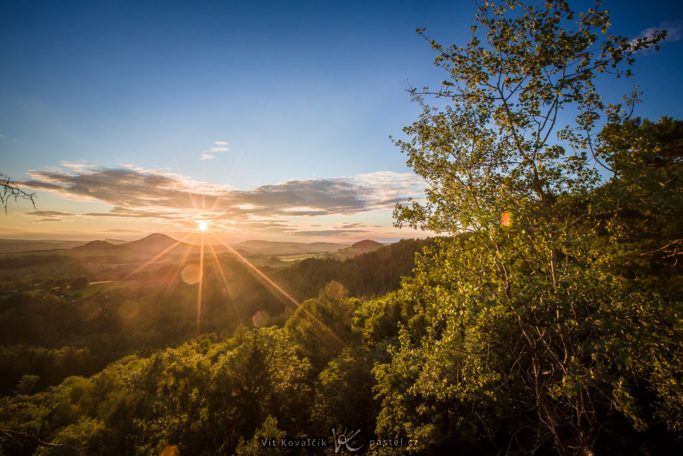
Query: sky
(270, 120)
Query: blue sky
(266, 92)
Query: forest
(546, 318)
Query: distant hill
(154, 243)
(285, 248)
(359, 248)
(368, 274)
(116, 241)
(27, 245)
(95, 245)
(151, 245)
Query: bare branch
(9, 190)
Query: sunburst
(204, 237)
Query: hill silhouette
(153, 243)
(157, 242)
(95, 245)
(359, 248)
(368, 274)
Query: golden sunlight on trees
(534, 333)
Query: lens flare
(506, 219)
(202, 226)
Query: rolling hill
(154, 243)
(94, 245)
(359, 248)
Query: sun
(202, 226)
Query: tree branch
(11, 190)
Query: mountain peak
(366, 244)
(155, 242)
(94, 245)
(359, 248)
(156, 236)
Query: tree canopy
(548, 318)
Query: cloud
(342, 229)
(358, 225)
(153, 194)
(268, 225)
(321, 233)
(123, 212)
(47, 220)
(129, 188)
(218, 147)
(674, 32)
(49, 213)
(77, 166)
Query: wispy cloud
(674, 32)
(124, 212)
(49, 213)
(49, 219)
(218, 147)
(118, 230)
(324, 233)
(153, 194)
(77, 166)
(338, 230)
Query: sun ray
(181, 263)
(278, 288)
(155, 258)
(201, 281)
(225, 280)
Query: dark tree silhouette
(10, 190)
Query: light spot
(260, 318)
(190, 274)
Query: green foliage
(496, 146)
(486, 366)
(344, 392)
(322, 326)
(44, 366)
(545, 323)
(203, 397)
(27, 383)
(370, 274)
(54, 327)
(254, 447)
(646, 194)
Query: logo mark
(344, 440)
